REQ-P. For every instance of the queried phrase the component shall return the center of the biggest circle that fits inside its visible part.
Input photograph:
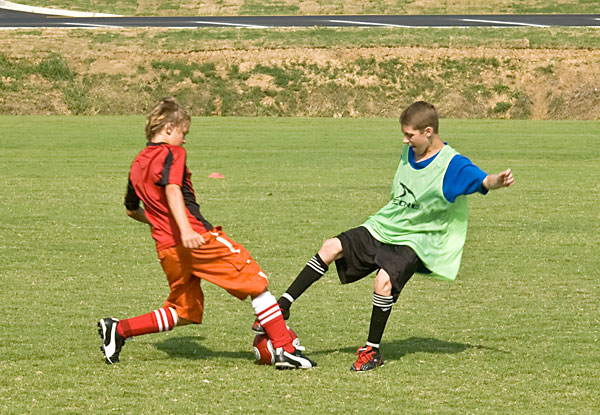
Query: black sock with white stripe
(314, 269)
(382, 308)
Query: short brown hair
(166, 111)
(420, 115)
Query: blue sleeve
(462, 178)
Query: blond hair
(166, 111)
(420, 115)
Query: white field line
(504, 23)
(232, 24)
(53, 12)
(90, 25)
(84, 26)
(367, 23)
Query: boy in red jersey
(189, 247)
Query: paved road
(16, 19)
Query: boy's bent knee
(383, 283)
(331, 250)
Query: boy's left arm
(138, 214)
(497, 181)
(132, 204)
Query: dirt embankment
(59, 74)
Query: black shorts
(364, 254)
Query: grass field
(517, 333)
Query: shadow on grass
(395, 350)
(190, 347)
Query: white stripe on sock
(266, 313)
(175, 316)
(314, 264)
(288, 297)
(269, 318)
(266, 308)
(159, 320)
(163, 314)
(383, 302)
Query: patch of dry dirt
(560, 83)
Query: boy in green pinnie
(422, 228)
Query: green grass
(326, 37)
(516, 333)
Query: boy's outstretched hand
(496, 181)
(192, 239)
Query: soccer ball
(264, 352)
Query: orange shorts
(221, 261)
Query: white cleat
(112, 341)
(295, 360)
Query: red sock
(269, 316)
(163, 319)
